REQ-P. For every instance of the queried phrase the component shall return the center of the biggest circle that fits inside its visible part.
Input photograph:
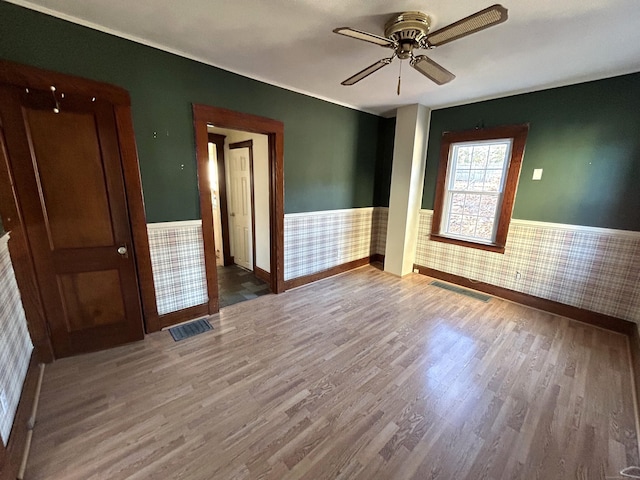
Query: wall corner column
(407, 182)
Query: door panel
(62, 183)
(241, 206)
(246, 243)
(69, 184)
(91, 299)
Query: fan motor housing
(408, 29)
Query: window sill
(489, 247)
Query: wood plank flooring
(359, 376)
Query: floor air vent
(461, 291)
(190, 329)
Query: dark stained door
(69, 185)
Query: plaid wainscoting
(15, 343)
(379, 233)
(595, 269)
(317, 241)
(177, 260)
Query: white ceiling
(290, 43)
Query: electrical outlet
(415, 270)
(518, 275)
(4, 403)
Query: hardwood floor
(359, 376)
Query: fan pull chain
(399, 75)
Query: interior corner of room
(201, 188)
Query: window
(476, 186)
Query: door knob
(232, 214)
(122, 250)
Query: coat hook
(56, 109)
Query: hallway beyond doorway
(238, 285)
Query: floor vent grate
(461, 291)
(190, 329)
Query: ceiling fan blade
(367, 37)
(367, 71)
(486, 18)
(432, 70)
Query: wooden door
(240, 174)
(69, 184)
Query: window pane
(472, 204)
(457, 203)
(468, 225)
(476, 180)
(488, 206)
(497, 155)
(464, 157)
(492, 180)
(479, 157)
(455, 222)
(484, 228)
(461, 180)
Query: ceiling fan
(409, 31)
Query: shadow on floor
(235, 285)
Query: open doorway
(239, 181)
(205, 116)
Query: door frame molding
(219, 141)
(249, 144)
(22, 260)
(25, 76)
(274, 129)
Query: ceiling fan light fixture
(409, 31)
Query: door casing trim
(274, 129)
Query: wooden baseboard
(314, 277)
(183, 315)
(593, 318)
(376, 257)
(15, 447)
(262, 275)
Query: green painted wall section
(386, 136)
(585, 137)
(330, 151)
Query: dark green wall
(386, 135)
(330, 151)
(586, 137)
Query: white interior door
(240, 214)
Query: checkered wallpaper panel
(594, 269)
(379, 233)
(15, 342)
(177, 260)
(598, 270)
(317, 241)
